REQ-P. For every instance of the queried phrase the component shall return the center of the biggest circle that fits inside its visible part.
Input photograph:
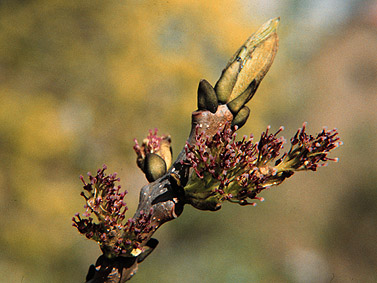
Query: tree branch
(164, 197)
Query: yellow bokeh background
(79, 80)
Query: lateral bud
(154, 167)
(236, 104)
(241, 117)
(207, 99)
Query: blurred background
(79, 80)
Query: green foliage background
(80, 79)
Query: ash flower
(308, 152)
(104, 201)
(153, 143)
(226, 169)
(154, 156)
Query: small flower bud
(159, 146)
(154, 167)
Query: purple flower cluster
(151, 144)
(104, 200)
(226, 169)
(219, 159)
(269, 146)
(308, 152)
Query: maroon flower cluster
(226, 169)
(151, 144)
(269, 146)
(104, 200)
(308, 152)
(220, 158)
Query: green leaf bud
(207, 99)
(154, 167)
